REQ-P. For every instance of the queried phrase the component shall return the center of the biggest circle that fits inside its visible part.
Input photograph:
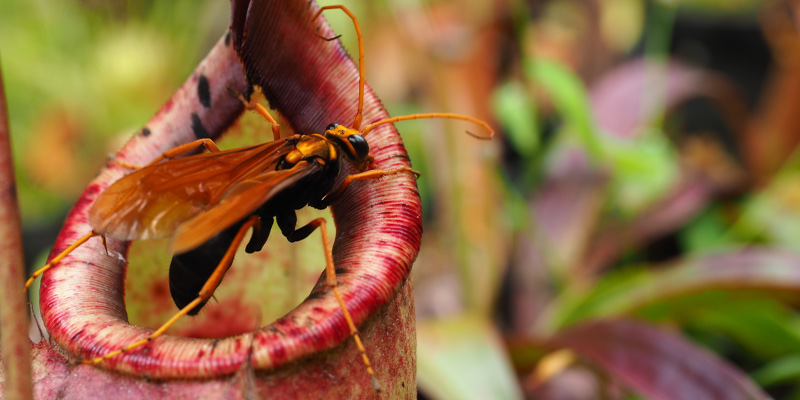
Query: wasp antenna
(479, 137)
(328, 39)
(359, 113)
(367, 128)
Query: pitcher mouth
(378, 226)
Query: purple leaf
(658, 364)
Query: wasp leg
(205, 293)
(253, 105)
(59, 257)
(331, 282)
(123, 164)
(260, 235)
(185, 148)
(375, 174)
(172, 153)
(189, 271)
(287, 223)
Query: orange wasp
(207, 202)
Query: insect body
(304, 166)
(202, 201)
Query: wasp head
(354, 147)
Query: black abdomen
(188, 272)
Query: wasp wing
(152, 201)
(242, 200)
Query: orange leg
(205, 293)
(58, 258)
(374, 174)
(185, 148)
(121, 163)
(254, 106)
(175, 152)
(330, 280)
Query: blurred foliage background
(632, 232)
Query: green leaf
(782, 370)
(765, 327)
(569, 97)
(705, 231)
(643, 169)
(722, 8)
(774, 213)
(516, 111)
(463, 358)
(636, 290)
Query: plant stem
(13, 313)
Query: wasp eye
(359, 145)
(331, 127)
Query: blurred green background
(643, 183)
